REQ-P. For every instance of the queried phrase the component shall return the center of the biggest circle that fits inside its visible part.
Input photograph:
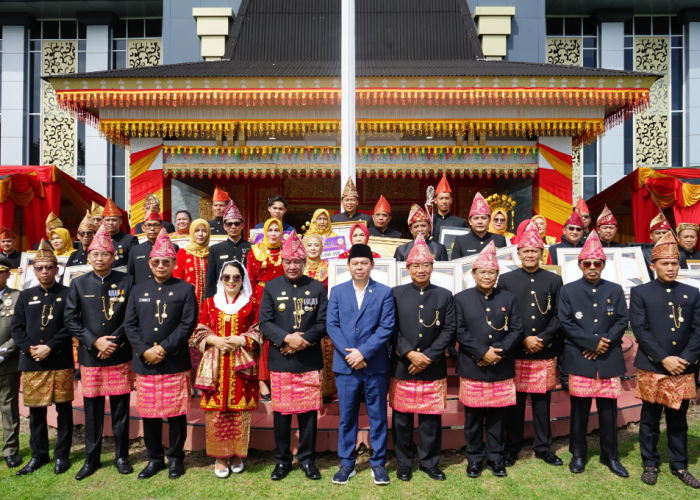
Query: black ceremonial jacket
(655, 319)
(31, 326)
(475, 335)
(449, 220)
(220, 253)
(438, 251)
(647, 248)
(217, 227)
(138, 262)
(563, 244)
(344, 217)
(122, 245)
(276, 319)
(588, 312)
(90, 299)
(435, 306)
(388, 233)
(174, 298)
(15, 257)
(470, 244)
(536, 292)
(78, 258)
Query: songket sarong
(667, 390)
(295, 392)
(536, 376)
(428, 397)
(481, 394)
(584, 387)
(106, 380)
(327, 376)
(46, 387)
(162, 396)
(228, 433)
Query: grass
(530, 478)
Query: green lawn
(528, 479)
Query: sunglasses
(499, 219)
(574, 229)
(44, 268)
(235, 278)
(585, 216)
(164, 262)
(587, 264)
(234, 224)
(86, 233)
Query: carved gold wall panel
(576, 180)
(564, 51)
(651, 126)
(144, 53)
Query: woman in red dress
(264, 264)
(228, 372)
(359, 235)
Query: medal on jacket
(673, 316)
(298, 312)
(505, 323)
(549, 302)
(110, 313)
(436, 321)
(161, 316)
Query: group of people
(244, 323)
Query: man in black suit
(350, 200)
(419, 224)
(474, 242)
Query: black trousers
(39, 431)
(94, 426)
(676, 431)
(308, 424)
(153, 438)
(429, 438)
(607, 418)
(475, 420)
(515, 423)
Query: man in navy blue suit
(361, 360)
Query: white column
(347, 106)
(612, 151)
(13, 105)
(96, 148)
(692, 85)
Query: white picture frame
(448, 235)
(567, 259)
(689, 277)
(343, 229)
(12, 279)
(74, 271)
(634, 268)
(693, 265)
(27, 279)
(384, 272)
(508, 260)
(386, 247)
(446, 274)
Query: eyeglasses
(164, 262)
(234, 224)
(491, 274)
(86, 233)
(235, 278)
(44, 268)
(499, 219)
(424, 266)
(100, 255)
(585, 216)
(574, 229)
(152, 226)
(595, 263)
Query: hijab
(67, 242)
(313, 228)
(265, 241)
(544, 232)
(261, 251)
(309, 261)
(244, 296)
(195, 249)
(521, 231)
(364, 230)
(492, 228)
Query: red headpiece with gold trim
(420, 253)
(592, 249)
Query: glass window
(642, 26)
(119, 45)
(81, 62)
(629, 60)
(154, 28)
(629, 42)
(661, 25)
(35, 31)
(676, 26)
(80, 174)
(676, 139)
(119, 191)
(590, 187)
(69, 30)
(119, 165)
(35, 82)
(118, 60)
(677, 79)
(135, 28)
(82, 31)
(590, 43)
(629, 145)
(589, 27)
(572, 26)
(589, 160)
(590, 59)
(628, 27)
(119, 31)
(555, 26)
(51, 29)
(35, 139)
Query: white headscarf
(243, 297)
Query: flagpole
(347, 105)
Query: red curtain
(7, 213)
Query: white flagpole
(347, 107)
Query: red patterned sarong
(667, 390)
(106, 380)
(536, 376)
(295, 392)
(47, 386)
(228, 433)
(428, 397)
(584, 387)
(162, 396)
(480, 394)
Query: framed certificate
(27, 279)
(552, 269)
(693, 265)
(74, 271)
(386, 247)
(568, 261)
(634, 268)
(343, 229)
(384, 272)
(448, 235)
(141, 237)
(445, 275)
(12, 279)
(507, 257)
(689, 277)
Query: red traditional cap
(574, 220)
(606, 218)
(163, 248)
(487, 258)
(102, 241)
(659, 222)
(220, 195)
(153, 216)
(293, 248)
(232, 212)
(420, 253)
(382, 206)
(666, 248)
(479, 206)
(592, 249)
(581, 206)
(6, 233)
(531, 238)
(443, 187)
(111, 209)
(417, 214)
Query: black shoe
(687, 478)
(510, 459)
(615, 467)
(175, 470)
(13, 461)
(266, 397)
(625, 378)
(62, 465)
(311, 471)
(123, 466)
(34, 464)
(280, 472)
(433, 473)
(87, 470)
(474, 469)
(650, 475)
(404, 473)
(452, 352)
(497, 468)
(549, 458)
(565, 385)
(151, 470)
(577, 465)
